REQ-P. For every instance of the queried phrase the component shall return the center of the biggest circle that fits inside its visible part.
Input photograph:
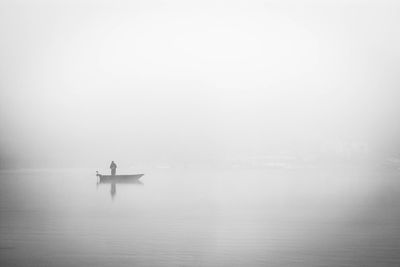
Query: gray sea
(190, 217)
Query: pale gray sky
(83, 82)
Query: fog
(173, 83)
(246, 133)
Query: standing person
(113, 168)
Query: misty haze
(208, 133)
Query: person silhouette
(113, 168)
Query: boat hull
(119, 178)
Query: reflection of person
(113, 190)
(113, 168)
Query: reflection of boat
(118, 178)
(113, 190)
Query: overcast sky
(85, 82)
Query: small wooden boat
(118, 178)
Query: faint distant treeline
(336, 152)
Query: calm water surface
(309, 217)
